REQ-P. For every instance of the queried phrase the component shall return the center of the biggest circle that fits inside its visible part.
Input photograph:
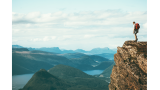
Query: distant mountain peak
(44, 73)
(20, 49)
(42, 70)
(61, 51)
(65, 71)
(17, 46)
(80, 51)
(42, 80)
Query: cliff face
(130, 71)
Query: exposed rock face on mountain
(130, 71)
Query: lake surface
(94, 72)
(19, 81)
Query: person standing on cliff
(136, 30)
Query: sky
(77, 24)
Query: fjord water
(94, 72)
(18, 81)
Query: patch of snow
(101, 76)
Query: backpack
(137, 26)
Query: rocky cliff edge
(130, 71)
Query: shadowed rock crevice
(130, 69)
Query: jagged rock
(130, 71)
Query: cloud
(145, 25)
(14, 40)
(32, 15)
(53, 37)
(18, 18)
(77, 30)
(89, 36)
(15, 30)
(62, 9)
(35, 39)
(44, 39)
(81, 18)
(64, 37)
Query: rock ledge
(130, 71)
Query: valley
(19, 81)
(25, 61)
(64, 77)
(69, 69)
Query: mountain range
(25, 61)
(57, 50)
(57, 69)
(42, 80)
(62, 77)
(24, 65)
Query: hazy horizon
(70, 49)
